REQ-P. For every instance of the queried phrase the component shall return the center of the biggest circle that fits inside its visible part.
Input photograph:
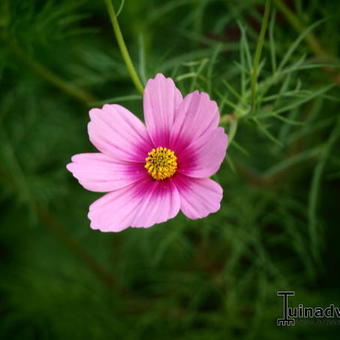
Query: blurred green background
(216, 278)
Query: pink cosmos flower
(150, 172)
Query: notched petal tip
(160, 76)
(159, 80)
(105, 229)
(94, 112)
(69, 167)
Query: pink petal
(199, 197)
(204, 156)
(114, 211)
(118, 133)
(142, 204)
(98, 172)
(195, 116)
(160, 202)
(161, 99)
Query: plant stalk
(122, 46)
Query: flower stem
(77, 93)
(53, 225)
(122, 46)
(19, 179)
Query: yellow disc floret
(161, 163)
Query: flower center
(161, 163)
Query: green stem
(58, 230)
(124, 51)
(258, 51)
(77, 93)
(15, 178)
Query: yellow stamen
(161, 163)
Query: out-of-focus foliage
(215, 278)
